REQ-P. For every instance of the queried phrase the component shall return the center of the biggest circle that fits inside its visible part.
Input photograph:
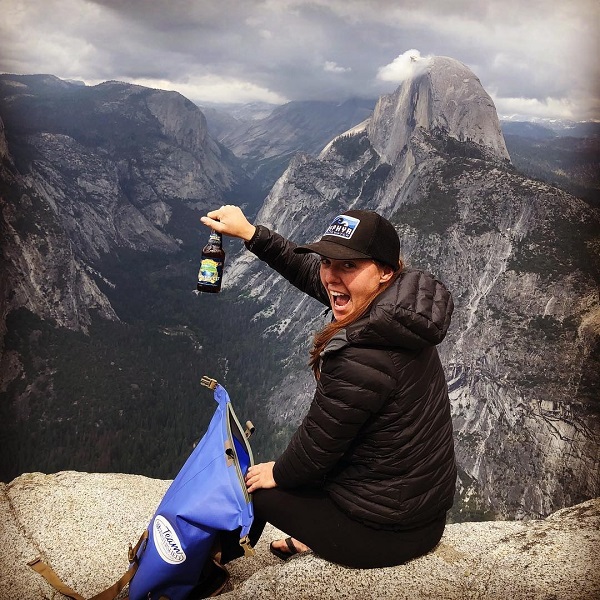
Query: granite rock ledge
(82, 523)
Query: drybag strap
(112, 592)
(208, 382)
(133, 557)
(109, 593)
(247, 546)
(53, 579)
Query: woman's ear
(385, 273)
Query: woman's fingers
(230, 220)
(260, 476)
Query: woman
(367, 478)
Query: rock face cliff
(87, 546)
(442, 95)
(101, 191)
(520, 257)
(41, 269)
(92, 170)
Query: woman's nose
(329, 273)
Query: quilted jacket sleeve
(348, 393)
(301, 270)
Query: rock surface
(441, 94)
(82, 523)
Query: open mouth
(340, 300)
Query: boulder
(82, 523)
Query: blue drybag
(207, 496)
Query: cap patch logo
(343, 226)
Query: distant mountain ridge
(564, 154)
(559, 127)
(265, 139)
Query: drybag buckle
(132, 554)
(34, 561)
(245, 544)
(208, 382)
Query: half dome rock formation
(441, 95)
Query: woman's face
(350, 282)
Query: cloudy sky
(536, 58)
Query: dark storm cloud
(537, 58)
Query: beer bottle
(210, 274)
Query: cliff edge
(82, 523)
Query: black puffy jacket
(378, 433)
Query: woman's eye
(325, 261)
(349, 265)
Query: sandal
(280, 553)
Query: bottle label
(210, 271)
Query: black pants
(312, 518)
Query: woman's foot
(286, 548)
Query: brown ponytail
(323, 337)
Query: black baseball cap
(358, 234)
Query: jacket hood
(414, 312)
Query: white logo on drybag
(166, 542)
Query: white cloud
(402, 67)
(212, 88)
(265, 34)
(333, 67)
(526, 108)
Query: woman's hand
(260, 476)
(231, 221)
